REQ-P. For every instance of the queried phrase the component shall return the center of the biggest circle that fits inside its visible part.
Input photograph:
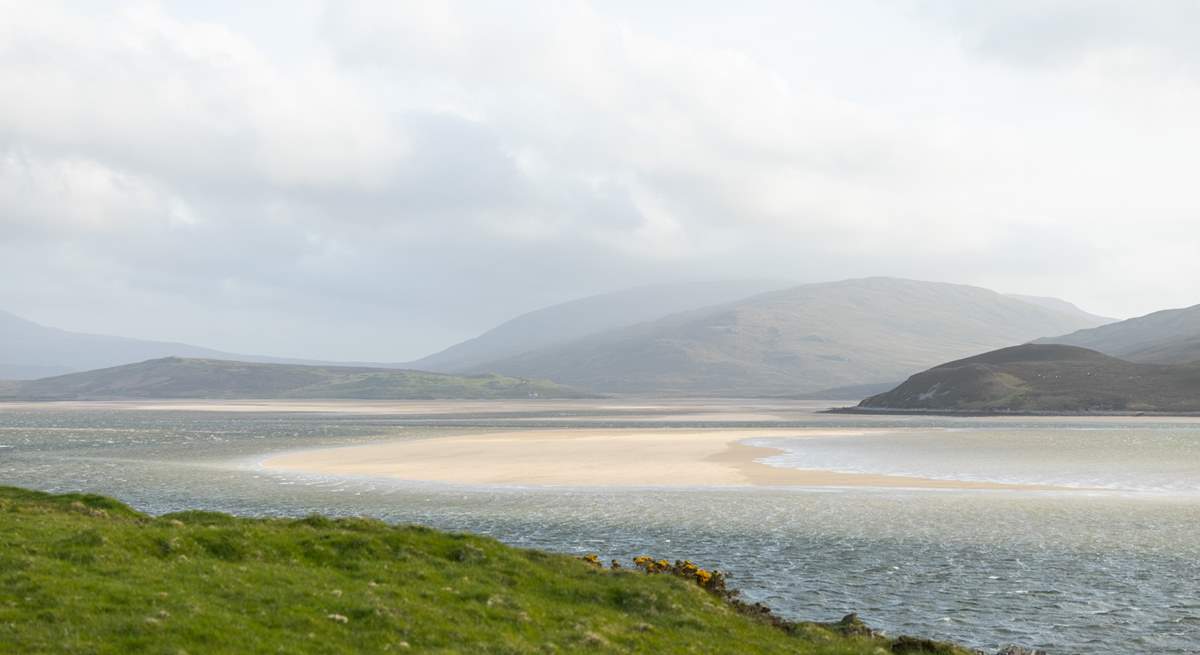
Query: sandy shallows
(591, 457)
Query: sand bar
(593, 457)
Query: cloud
(1071, 32)
(373, 180)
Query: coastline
(597, 457)
(982, 413)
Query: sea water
(1107, 564)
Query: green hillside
(174, 377)
(86, 574)
(1046, 378)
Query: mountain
(1168, 337)
(175, 377)
(797, 340)
(853, 392)
(572, 320)
(30, 351)
(1046, 378)
(1063, 307)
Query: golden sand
(593, 457)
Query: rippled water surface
(1111, 567)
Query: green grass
(176, 377)
(87, 574)
(1047, 378)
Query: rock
(905, 645)
(1020, 650)
(852, 626)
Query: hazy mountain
(1046, 378)
(174, 377)
(1167, 337)
(853, 392)
(29, 351)
(1063, 307)
(572, 320)
(797, 340)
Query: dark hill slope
(798, 340)
(1168, 337)
(1046, 378)
(175, 377)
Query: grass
(87, 574)
(176, 377)
(1047, 378)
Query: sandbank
(594, 457)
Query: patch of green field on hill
(177, 377)
(1047, 378)
(87, 574)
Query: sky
(378, 180)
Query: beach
(594, 457)
(687, 479)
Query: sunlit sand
(592, 457)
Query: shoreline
(714, 457)
(967, 413)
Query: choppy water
(1110, 570)
(1161, 458)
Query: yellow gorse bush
(713, 581)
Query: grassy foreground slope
(177, 377)
(86, 574)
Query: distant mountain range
(1050, 378)
(1063, 307)
(1167, 337)
(175, 377)
(797, 340)
(743, 338)
(29, 351)
(565, 322)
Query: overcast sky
(378, 180)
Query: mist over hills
(30, 351)
(564, 322)
(805, 338)
(730, 338)
(1167, 337)
(175, 377)
(1046, 378)
(1064, 307)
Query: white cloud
(185, 100)
(438, 166)
(72, 198)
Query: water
(1110, 567)
(1161, 458)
